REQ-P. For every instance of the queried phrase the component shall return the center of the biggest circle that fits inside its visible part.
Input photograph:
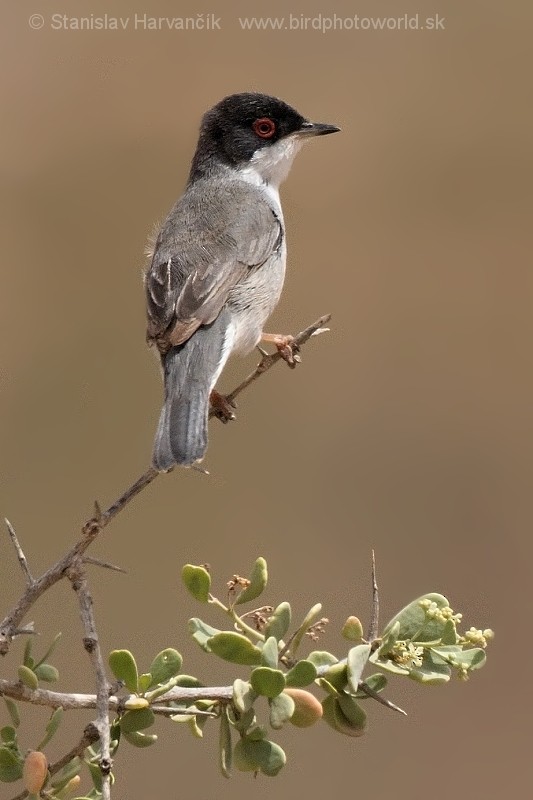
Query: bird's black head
(234, 130)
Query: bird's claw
(222, 407)
(287, 347)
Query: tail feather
(191, 371)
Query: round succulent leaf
(165, 665)
(258, 582)
(47, 673)
(136, 720)
(198, 581)
(10, 765)
(302, 674)
(243, 695)
(353, 629)
(353, 712)
(356, 663)
(34, 771)
(262, 755)
(278, 624)
(124, 668)
(307, 709)
(188, 682)
(28, 677)
(202, 633)
(138, 739)
(321, 658)
(336, 719)
(134, 702)
(388, 664)
(281, 710)
(8, 734)
(414, 622)
(269, 653)
(225, 751)
(470, 659)
(267, 682)
(235, 647)
(337, 676)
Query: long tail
(191, 371)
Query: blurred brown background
(407, 429)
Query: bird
(218, 262)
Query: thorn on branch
(20, 553)
(373, 627)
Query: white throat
(271, 165)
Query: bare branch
(20, 553)
(373, 628)
(78, 578)
(94, 526)
(71, 701)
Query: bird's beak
(316, 129)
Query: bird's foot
(222, 407)
(286, 345)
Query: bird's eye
(264, 127)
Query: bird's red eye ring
(264, 127)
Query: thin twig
(373, 628)
(90, 736)
(20, 553)
(93, 526)
(78, 579)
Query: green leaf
(69, 771)
(473, 658)
(302, 674)
(124, 668)
(53, 724)
(188, 682)
(8, 735)
(269, 653)
(10, 766)
(278, 624)
(432, 671)
(235, 648)
(28, 677)
(224, 744)
(13, 711)
(165, 665)
(145, 681)
(376, 682)
(389, 640)
(321, 658)
(50, 650)
(259, 755)
(281, 710)
(335, 716)
(198, 581)
(47, 673)
(140, 739)
(202, 633)
(415, 623)
(27, 659)
(356, 662)
(243, 695)
(136, 720)
(353, 629)
(310, 618)
(267, 682)
(258, 582)
(337, 676)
